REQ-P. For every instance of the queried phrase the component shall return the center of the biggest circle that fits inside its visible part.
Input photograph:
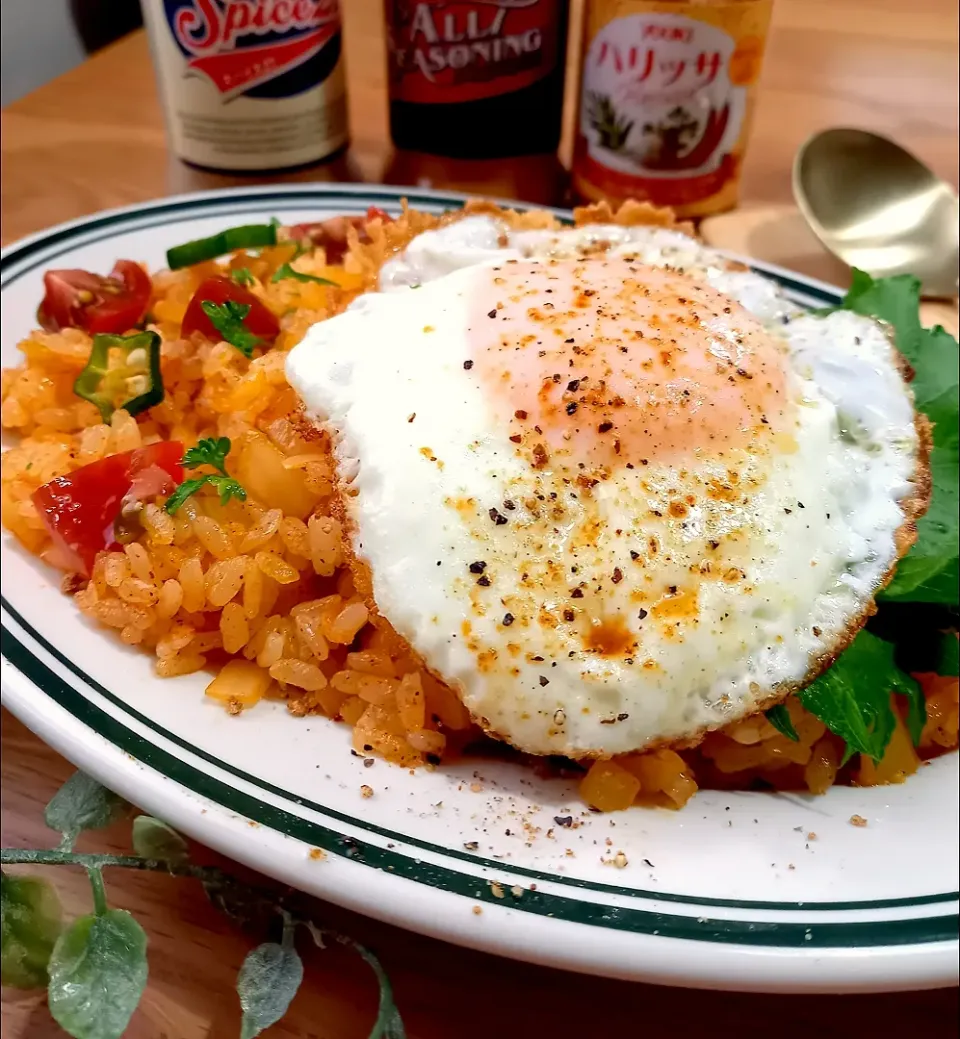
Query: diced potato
(899, 761)
(239, 681)
(662, 772)
(609, 786)
(261, 470)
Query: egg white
(422, 464)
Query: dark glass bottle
(476, 79)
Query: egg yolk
(606, 361)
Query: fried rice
(261, 596)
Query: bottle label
(260, 48)
(250, 84)
(664, 102)
(467, 50)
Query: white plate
(731, 892)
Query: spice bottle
(666, 95)
(251, 86)
(476, 79)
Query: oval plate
(774, 892)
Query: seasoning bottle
(255, 86)
(476, 79)
(666, 95)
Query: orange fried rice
(260, 595)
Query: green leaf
(286, 271)
(267, 983)
(225, 486)
(916, 709)
(779, 718)
(211, 451)
(227, 318)
(852, 698)
(81, 804)
(183, 492)
(97, 974)
(930, 570)
(29, 927)
(389, 1024)
(153, 839)
(948, 657)
(243, 276)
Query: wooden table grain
(94, 138)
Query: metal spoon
(877, 207)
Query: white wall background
(37, 42)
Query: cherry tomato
(332, 233)
(79, 299)
(81, 508)
(260, 320)
(376, 213)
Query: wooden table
(94, 138)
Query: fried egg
(614, 491)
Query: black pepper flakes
(577, 593)
(573, 385)
(568, 615)
(483, 581)
(544, 680)
(508, 619)
(642, 614)
(478, 567)
(468, 365)
(604, 427)
(572, 407)
(497, 517)
(492, 313)
(564, 820)
(617, 575)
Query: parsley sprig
(286, 271)
(227, 318)
(243, 276)
(212, 452)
